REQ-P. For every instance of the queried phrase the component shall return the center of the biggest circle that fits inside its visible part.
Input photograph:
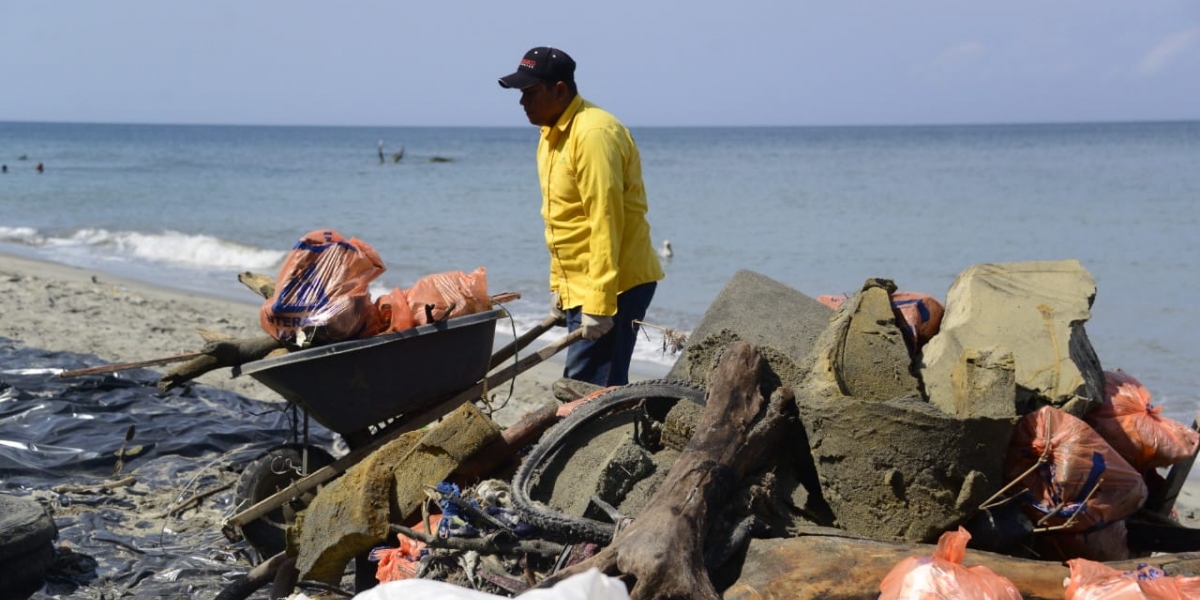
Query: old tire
(660, 394)
(263, 478)
(26, 546)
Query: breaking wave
(169, 247)
(26, 236)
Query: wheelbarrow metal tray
(349, 386)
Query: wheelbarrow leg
(364, 573)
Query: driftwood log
(220, 350)
(661, 554)
(262, 285)
(830, 563)
(218, 353)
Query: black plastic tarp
(63, 439)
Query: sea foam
(193, 251)
(26, 236)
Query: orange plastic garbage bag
(943, 576)
(921, 315)
(440, 296)
(918, 315)
(1095, 581)
(1082, 480)
(833, 301)
(395, 564)
(1136, 429)
(394, 311)
(321, 291)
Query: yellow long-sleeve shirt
(594, 207)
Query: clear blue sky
(651, 62)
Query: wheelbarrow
(370, 391)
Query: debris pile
(785, 420)
(799, 447)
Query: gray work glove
(556, 310)
(594, 326)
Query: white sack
(589, 585)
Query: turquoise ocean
(820, 209)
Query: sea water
(820, 209)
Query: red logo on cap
(529, 62)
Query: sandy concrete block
(873, 362)
(984, 385)
(862, 352)
(352, 514)
(766, 313)
(628, 464)
(349, 515)
(459, 435)
(680, 425)
(902, 470)
(1037, 310)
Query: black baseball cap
(541, 64)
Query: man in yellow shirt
(603, 267)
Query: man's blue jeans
(605, 361)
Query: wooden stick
(503, 297)
(130, 365)
(1058, 509)
(482, 545)
(242, 587)
(186, 503)
(218, 354)
(89, 489)
(992, 502)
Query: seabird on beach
(665, 251)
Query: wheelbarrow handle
(509, 350)
(529, 361)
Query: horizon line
(524, 126)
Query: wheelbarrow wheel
(267, 476)
(27, 534)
